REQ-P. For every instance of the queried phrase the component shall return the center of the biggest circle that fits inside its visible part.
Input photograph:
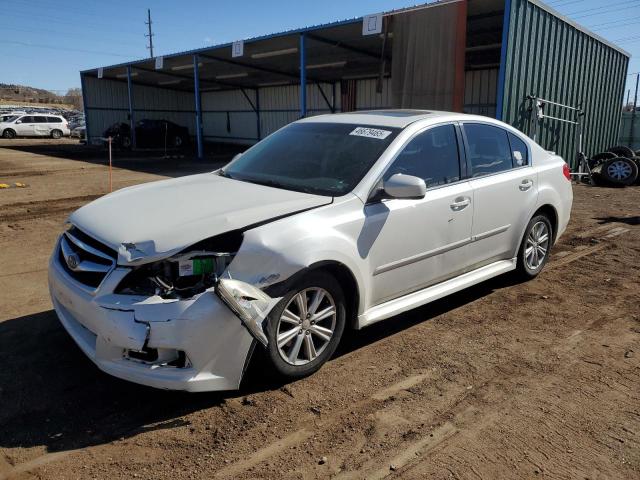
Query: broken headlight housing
(186, 274)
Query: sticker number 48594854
(371, 133)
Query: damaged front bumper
(195, 345)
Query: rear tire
(298, 344)
(535, 247)
(8, 133)
(56, 134)
(622, 151)
(620, 171)
(599, 158)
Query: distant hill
(21, 94)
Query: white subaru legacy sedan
(332, 222)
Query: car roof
(399, 118)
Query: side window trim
(507, 132)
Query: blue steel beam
(84, 108)
(506, 22)
(258, 124)
(303, 76)
(132, 121)
(196, 93)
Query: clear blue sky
(46, 43)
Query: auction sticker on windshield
(371, 133)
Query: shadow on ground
(53, 396)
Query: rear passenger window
(54, 120)
(432, 156)
(489, 149)
(40, 119)
(519, 151)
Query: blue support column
(132, 121)
(333, 97)
(258, 125)
(303, 77)
(502, 73)
(196, 93)
(84, 107)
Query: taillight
(566, 171)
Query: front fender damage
(250, 304)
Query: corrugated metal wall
(548, 57)
(630, 130)
(107, 102)
(480, 87)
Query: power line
(603, 10)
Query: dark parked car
(149, 133)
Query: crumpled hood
(154, 220)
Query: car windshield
(320, 158)
(8, 118)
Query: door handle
(460, 203)
(526, 185)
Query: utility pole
(633, 114)
(150, 34)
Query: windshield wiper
(224, 174)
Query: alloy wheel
(619, 170)
(537, 245)
(306, 326)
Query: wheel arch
(342, 274)
(552, 214)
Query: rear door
(25, 126)
(412, 244)
(41, 126)
(505, 191)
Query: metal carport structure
(463, 55)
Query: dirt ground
(504, 380)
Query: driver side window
(431, 155)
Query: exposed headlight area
(186, 274)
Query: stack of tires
(617, 167)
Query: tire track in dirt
(406, 456)
(42, 208)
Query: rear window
(519, 151)
(40, 119)
(489, 149)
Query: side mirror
(405, 187)
(18, 121)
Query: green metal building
(478, 56)
(547, 55)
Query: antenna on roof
(150, 34)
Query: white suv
(34, 125)
(333, 221)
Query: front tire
(8, 133)
(305, 327)
(535, 247)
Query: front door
(417, 243)
(25, 127)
